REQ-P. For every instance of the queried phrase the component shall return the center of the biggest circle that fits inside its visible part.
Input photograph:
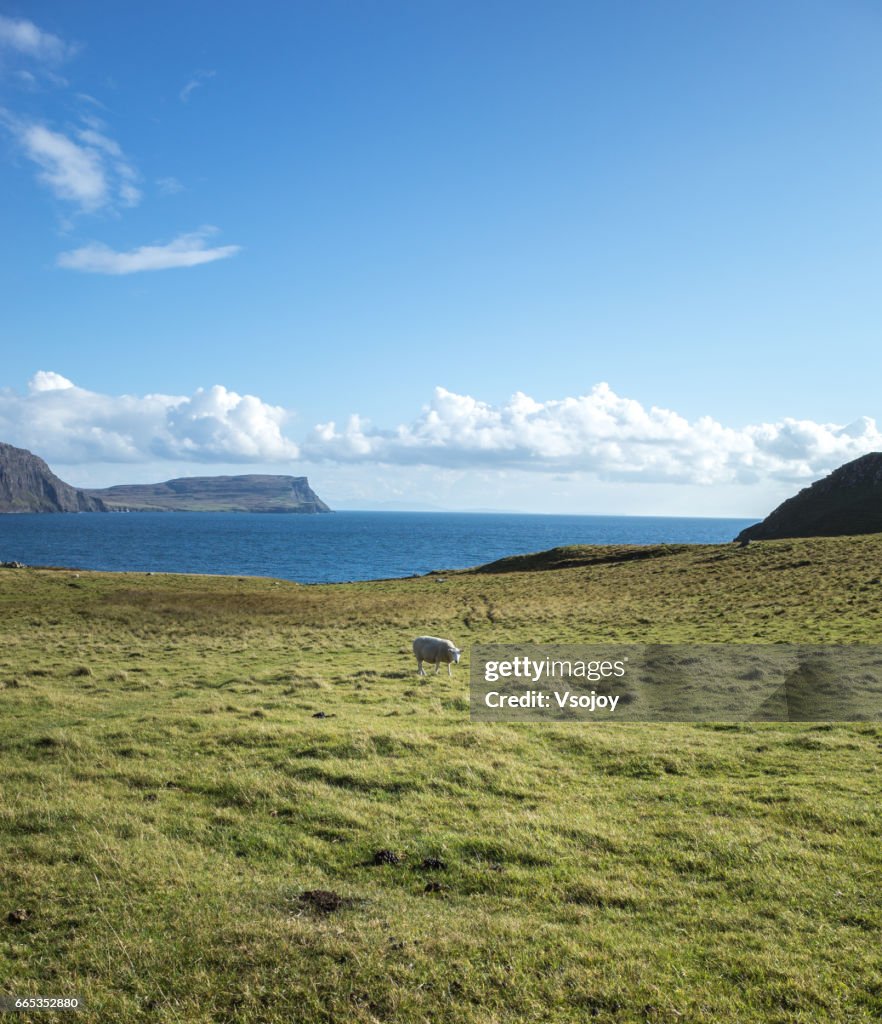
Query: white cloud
(199, 79)
(187, 250)
(129, 195)
(71, 171)
(86, 167)
(68, 424)
(26, 38)
(600, 433)
(48, 380)
(98, 141)
(599, 436)
(127, 192)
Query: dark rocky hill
(848, 501)
(249, 493)
(27, 484)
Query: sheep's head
(456, 652)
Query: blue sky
(657, 224)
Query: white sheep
(434, 650)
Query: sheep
(434, 650)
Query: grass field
(168, 796)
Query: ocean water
(324, 548)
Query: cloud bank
(600, 433)
(68, 424)
(184, 251)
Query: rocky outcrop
(848, 501)
(249, 493)
(27, 484)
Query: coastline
(311, 549)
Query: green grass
(167, 796)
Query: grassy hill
(169, 795)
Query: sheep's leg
(420, 671)
(437, 667)
(449, 673)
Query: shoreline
(634, 553)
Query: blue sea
(324, 548)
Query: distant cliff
(27, 484)
(846, 502)
(250, 493)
